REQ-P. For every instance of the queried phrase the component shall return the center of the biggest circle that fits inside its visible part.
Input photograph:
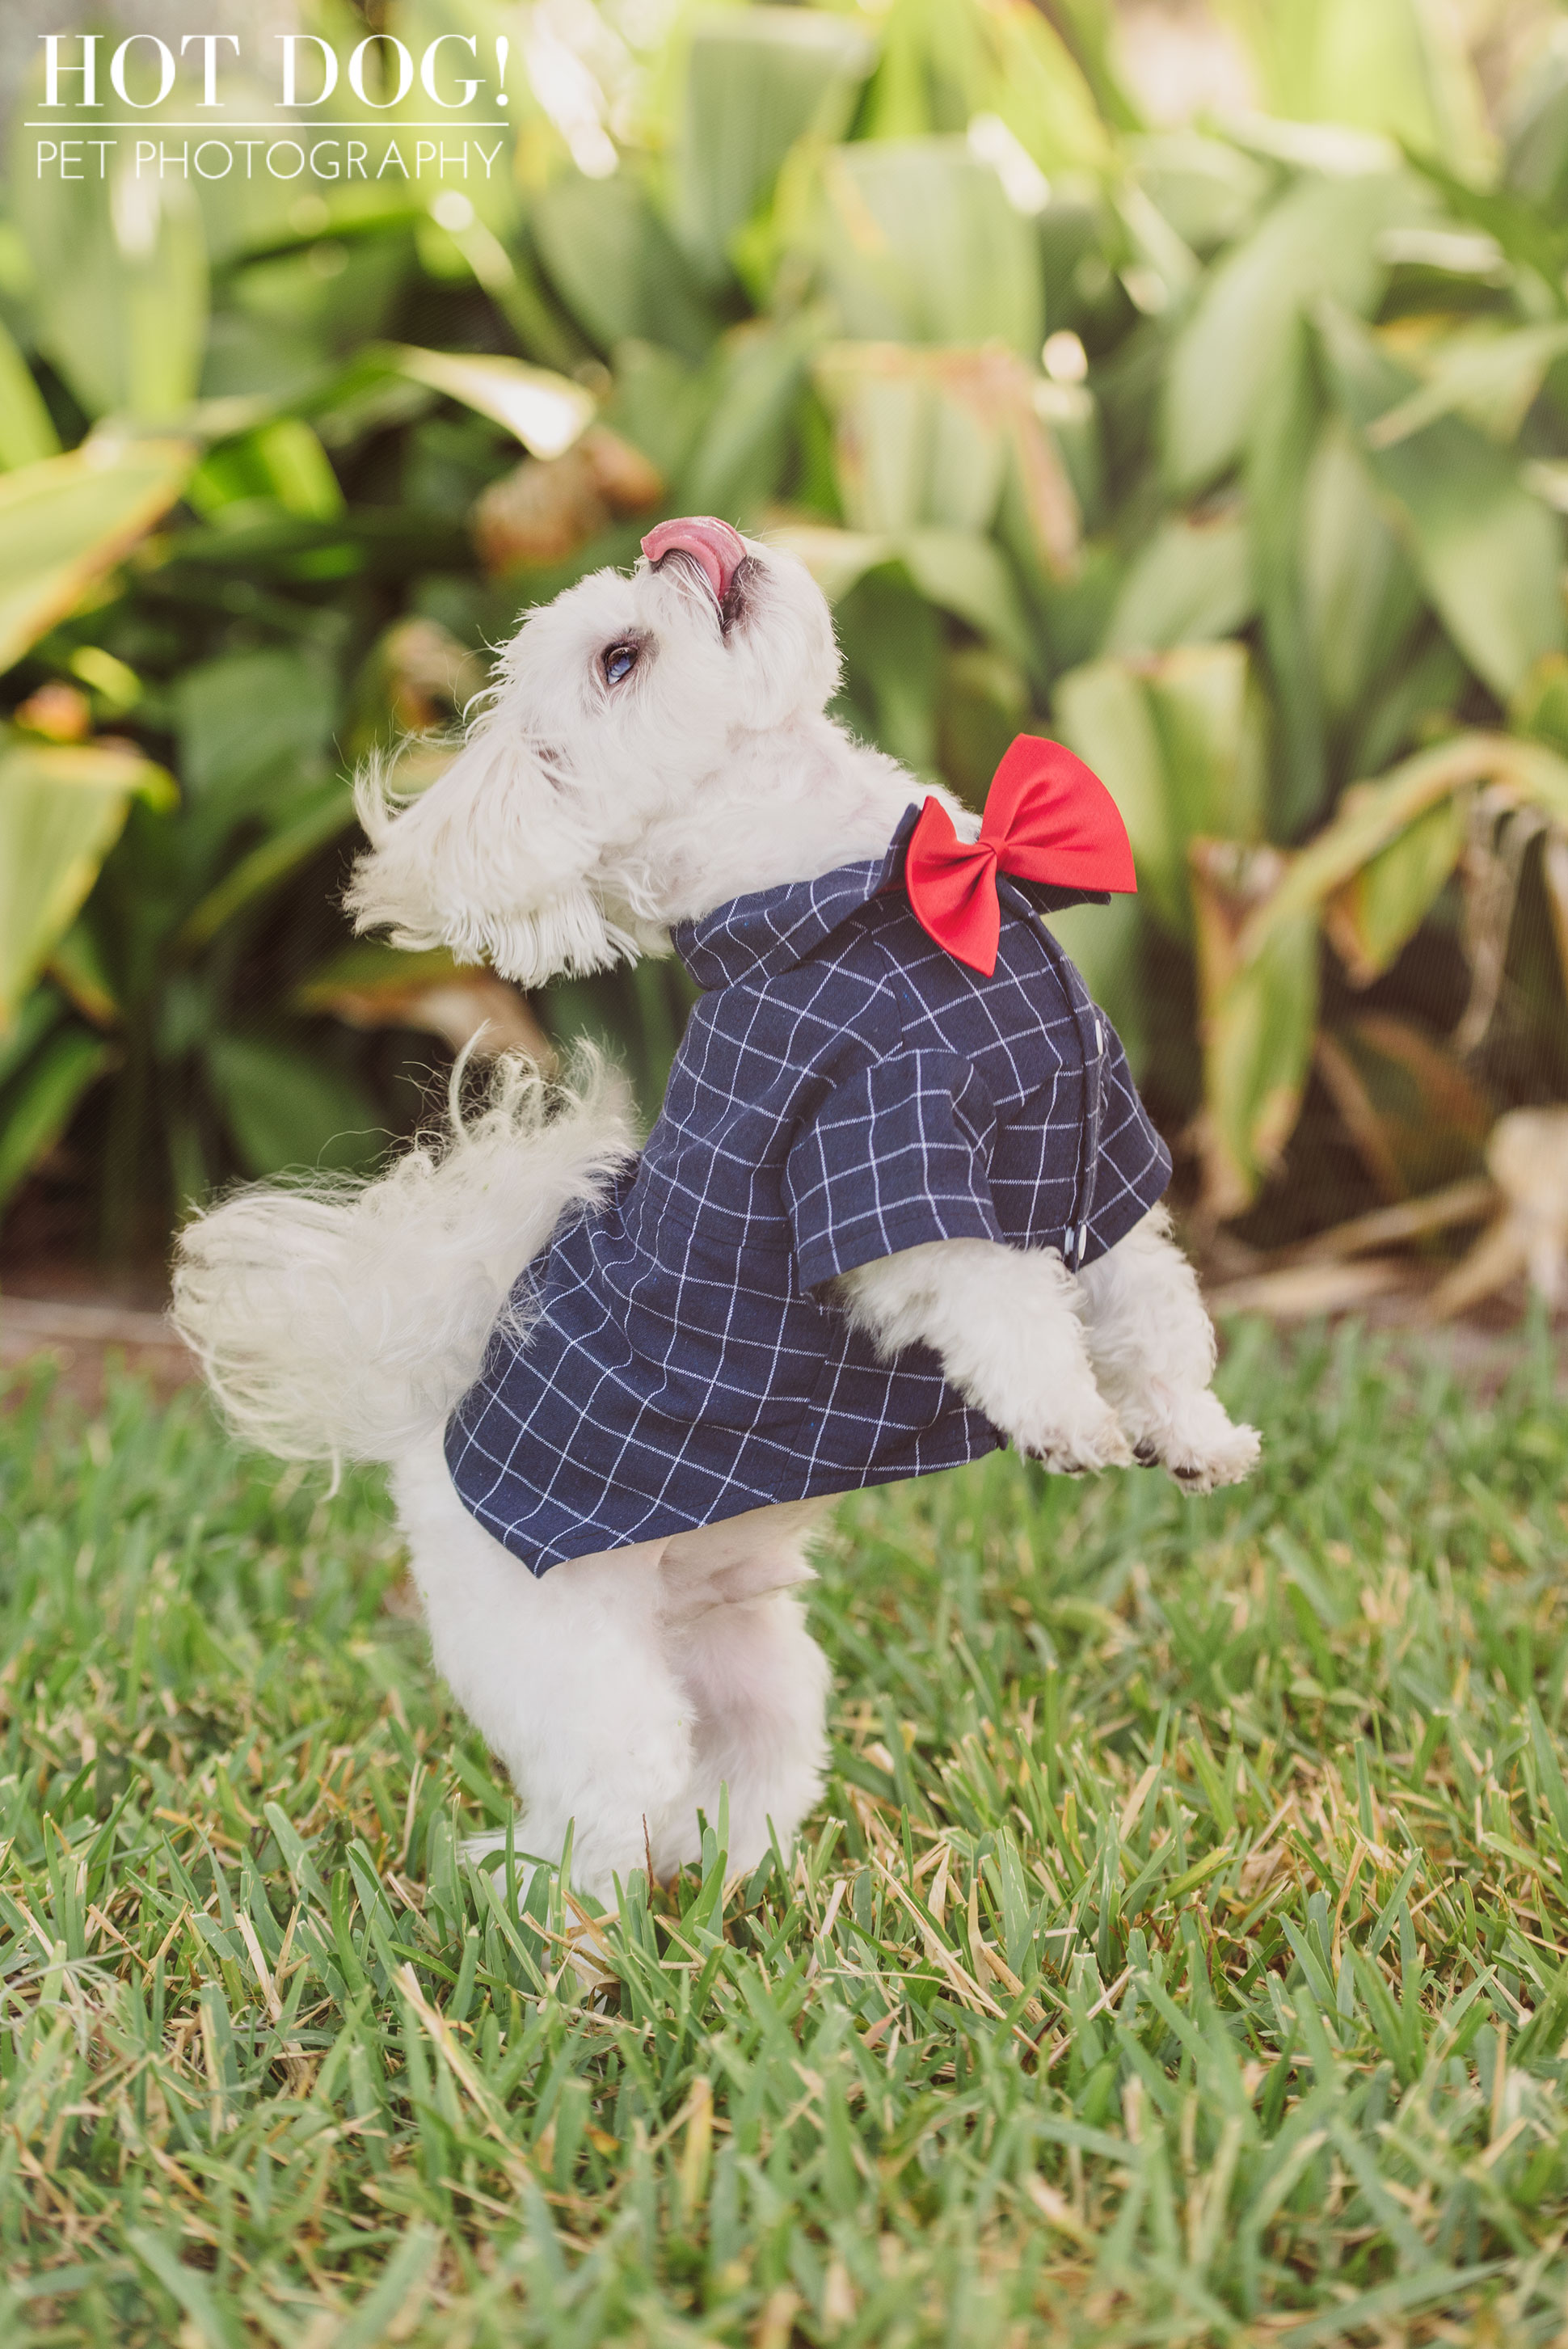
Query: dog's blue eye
(619, 662)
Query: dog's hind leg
(736, 1636)
(565, 1676)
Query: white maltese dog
(897, 1210)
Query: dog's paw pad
(1094, 1440)
(1227, 1462)
(1192, 1436)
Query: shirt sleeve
(896, 1156)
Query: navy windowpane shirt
(845, 1088)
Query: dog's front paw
(1194, 1437)
(1082, 1432)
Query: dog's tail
(342, 1319)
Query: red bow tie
(1047, 818)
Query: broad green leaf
(547, 412)
(1278, 451)
(285, 1108)
(835, 558)
(983, 702)
(1320, 239)
(1547, 478)
(1418, 701)
(245, 716)
(506, 270)
(327, 813)
(956, 570)
(1191, 583)
(943, 64)
(26, 431)
(1489, 554)
(757, 372)
(1362, 598)
(42, 1012)
(924, 435)
(1491, 376)
(618, 267)
(37, 1107)
(1389, 65)
(1540, 707)
(1167, 267)
(1536, 158)
(914, 241)
(756, 79)
(908, 449)
(1372, 815)
(893, 653)
(120, 303)
(1053, 82)
(1530, 242)
(1209, 190)
(1178, 742)
(1383, 904)
(61, 811)
(1105, 942)
(66, 521)
(659, 403)
(965, 575)
(1104, 711)
(1258, 1019)
(282, 462)
(78, 967)
(1208, 718)
(285, 317)
(950, 570)
(1331, 150)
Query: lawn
(1178, 1954)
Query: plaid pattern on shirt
(845, 1088)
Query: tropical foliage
(1236, 456)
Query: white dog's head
(554, 840)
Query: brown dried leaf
(546, 508)
(377, 986)
(1554, 875)
(59, 712)
(1417, 1117)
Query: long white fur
(340, 1319)
(577, 825)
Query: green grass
(1178, 1954)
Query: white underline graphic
(335, 130)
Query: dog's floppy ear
(488, 861)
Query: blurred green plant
(1237, 456)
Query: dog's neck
(787, 806)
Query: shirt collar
(772, 930)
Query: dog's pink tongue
(719, 550)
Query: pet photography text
(235, 93)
